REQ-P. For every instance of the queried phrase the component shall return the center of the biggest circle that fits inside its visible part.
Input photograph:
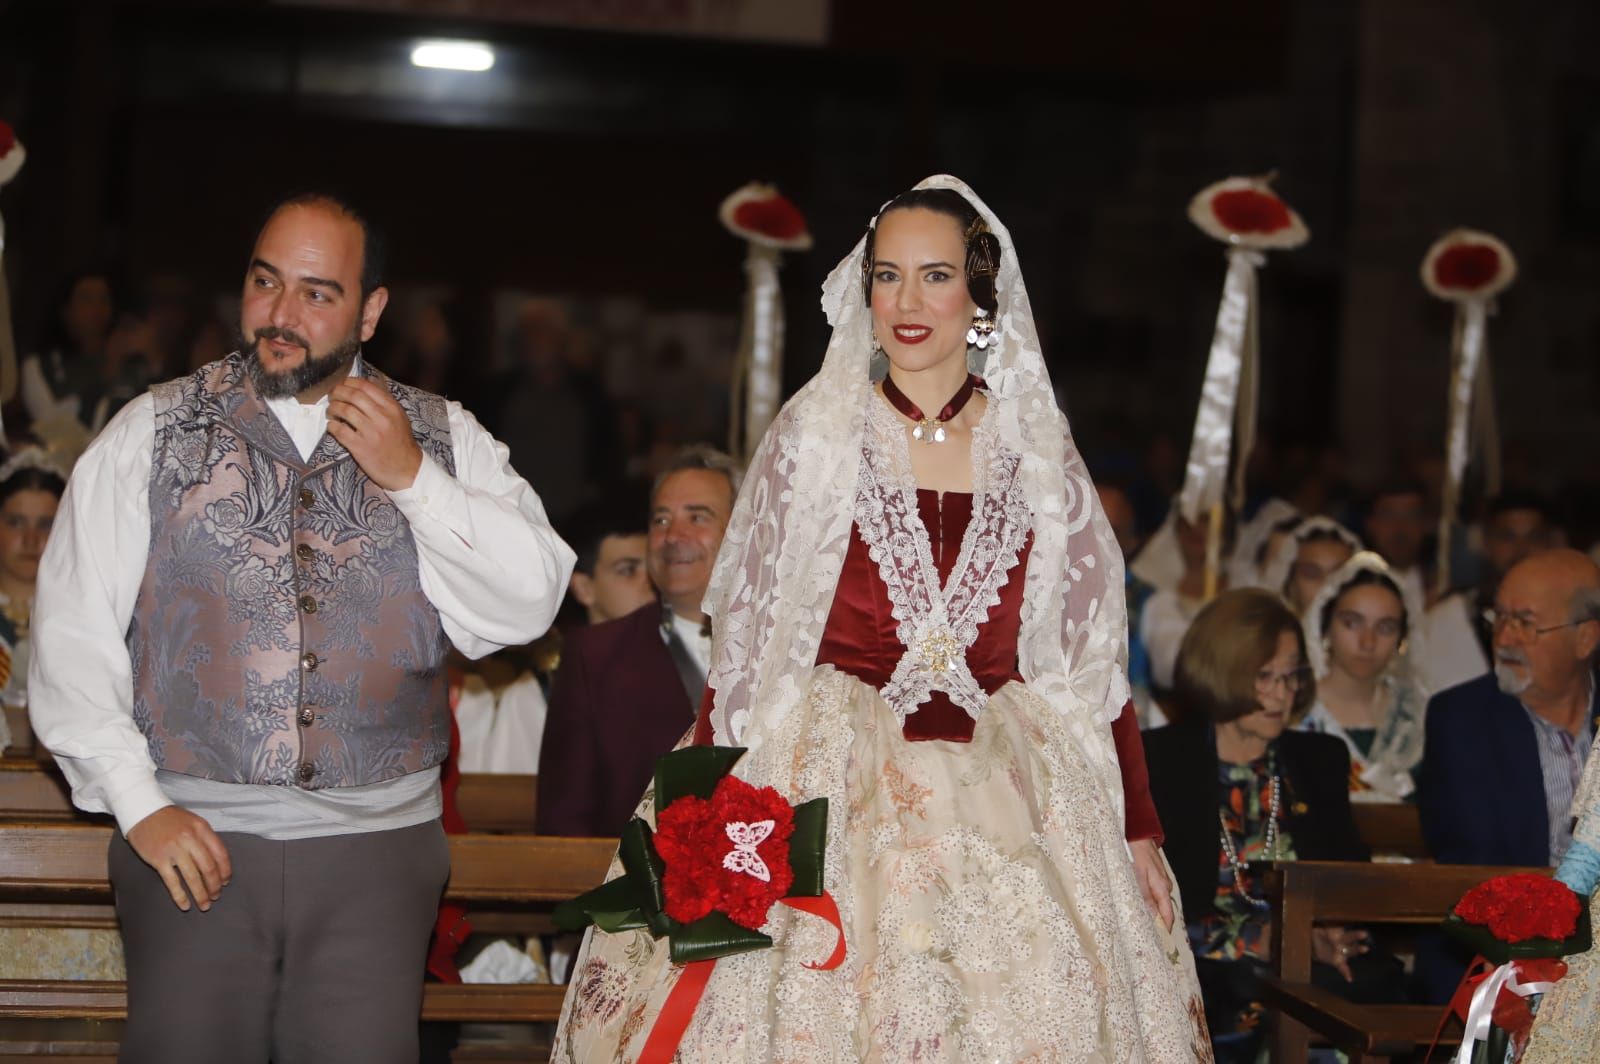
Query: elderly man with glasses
(1504, 753)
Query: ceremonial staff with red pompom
(11, 159)
(1468, 268)
(1246, 215)
(771, 224)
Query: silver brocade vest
(281, 635)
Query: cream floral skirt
(1567, 1029)
(988, 900)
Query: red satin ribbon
(662, 1045)
(675, 1015)
(828, 909)
(1511, 1011)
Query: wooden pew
(1391, 830)
(33, 790)
(21, 731)
(1305, 893)
(55, 875)
(498, 803)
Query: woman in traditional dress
(1565, 1030)
(1358, 633)
(919, 617)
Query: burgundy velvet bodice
(861, 638)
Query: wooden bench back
(67, 863)
(1306, 893)
(32, 790)
(1391, 829)
(56, 875)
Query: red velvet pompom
(1244, 210)
(1466, 267)
(775, 217)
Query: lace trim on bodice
(937, 624)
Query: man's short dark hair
(1393, 487)
(701, 456)
(598, 522)
(1510, 501)
(374, 244)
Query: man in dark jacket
(1504, 753)
(627, 690)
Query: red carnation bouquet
(728, 853)
(1520, 926)
(722, 853)
(1522, 907)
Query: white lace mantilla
(938, 622)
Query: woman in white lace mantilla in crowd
(1359, 634)
(1309, 554)
(919, 617)
(31, 485)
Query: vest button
(306, 498)
(307, 719)
(306, 772)
(304, 552)
(308, 604)
(309, 661)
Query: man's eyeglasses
(1524, 626)
(1293, 680)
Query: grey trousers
(313, 953)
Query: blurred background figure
(1399, 529)
(1458, 644)
(1308, 555)
(1359, 639)
(611, 578)
(30, 492)
(64, 378)
(1169, 612)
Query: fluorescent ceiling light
(453, 55)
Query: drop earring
(982, 335)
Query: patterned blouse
(1234, 929)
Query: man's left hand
(365, 418)
(1154, 883)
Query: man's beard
(313, 370)
(1512, 682)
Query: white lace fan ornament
(1248, 216)
(1468, 268)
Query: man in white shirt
(239, 644)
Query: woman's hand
(1336, 945)
(1153, 881)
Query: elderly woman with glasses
(1233, 785)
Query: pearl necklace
(1269, 851)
